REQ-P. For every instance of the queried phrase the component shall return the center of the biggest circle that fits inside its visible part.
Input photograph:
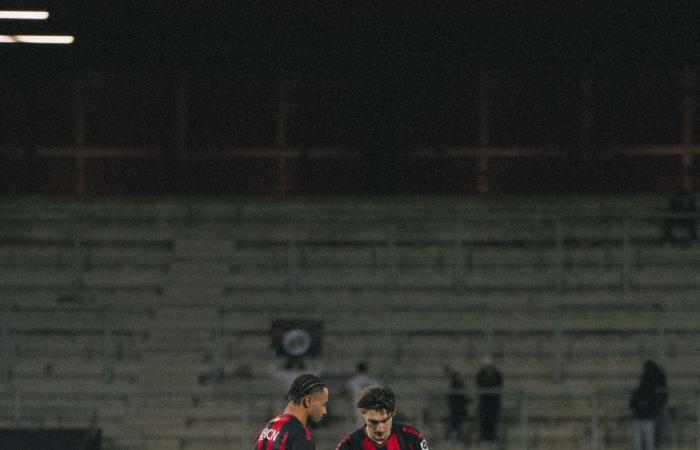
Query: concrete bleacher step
(124, 277)
(667, 256)
(28, 255)
(198, 274)
(190, 317)
(150, 441)
(658, 278)
(106, 255)
(232, 267)
(53, 277)
(158, 234)
(183, 294)
(202, 249)
(258, 278)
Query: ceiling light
(24, 15)
(35, 39)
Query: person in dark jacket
(457, 401)
(647, 403)
(489, 382)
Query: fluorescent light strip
(24, 15)
(35, 39)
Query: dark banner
(296, 338)
(41, 439)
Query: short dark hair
(378, 398)
(304, 385)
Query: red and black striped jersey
(402, 437)
(285, 432)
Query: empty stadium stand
(151, 317)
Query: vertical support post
(80, 129)
(483, 180)
(458, 276)
(108, 370)
(485, 107)
(287, 86)
(524, 425)
(80, 113)
(282, 125)
(217, 353)
(284, 181)
(688, 121)
(486, 94)
(660, 333)
(420, 422)
(292, 257)
(248, 405)
(182, 119)
(595, 422)
(697, 420)
(5, 367)
(392, 272)
(559, 254)
(80, 184)
(394, 347)
(586, 108)
(490, 331)
(17, 407)
(558, 346)
(627, 255)
(77, 256)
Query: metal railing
(12, 332)
(34, 410)
(553, 239)
(605, 423)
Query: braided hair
(304, 385)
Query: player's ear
(306, 402)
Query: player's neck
(297, 411)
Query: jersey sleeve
(344, 444)
(418, 442)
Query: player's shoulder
(287, 423)
(409, 430)
(412, 434)
(346, 442)
(294, 427)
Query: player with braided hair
(306, 402)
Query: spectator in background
(659, 379)
(293, 367)
(457, 401)
(355, 385)
(647, 404)
(489, 383)
(682, 203)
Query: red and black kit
(285, 432)
(402, 437)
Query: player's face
(377, 424)
(316, 408)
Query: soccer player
(377, 405)
(306, 402)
